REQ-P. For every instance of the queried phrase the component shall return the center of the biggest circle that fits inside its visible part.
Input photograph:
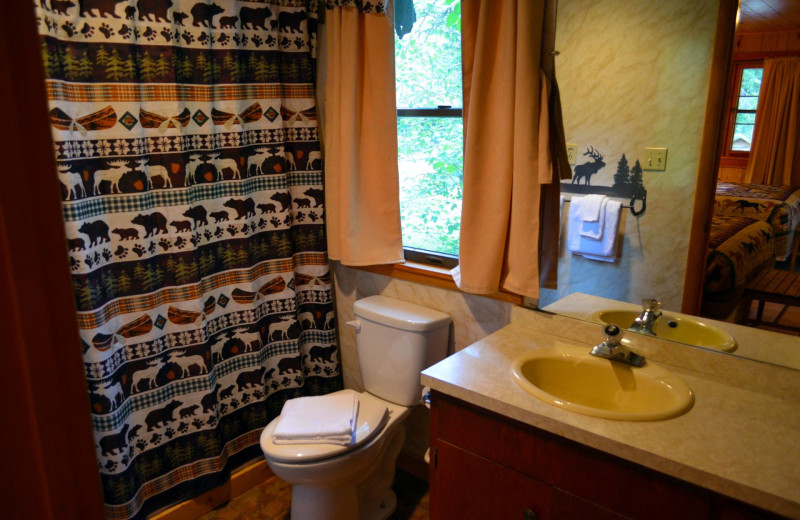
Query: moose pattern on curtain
(186, 138)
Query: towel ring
(633, 205)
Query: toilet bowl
(331, 482)
(395, 340)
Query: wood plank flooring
(776, 313)
(272, 499)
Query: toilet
(395, 341)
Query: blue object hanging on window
(404, 17)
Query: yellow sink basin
(682, 329)
(570, 378)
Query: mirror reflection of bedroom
(753, 273)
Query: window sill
(431, 275)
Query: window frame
(427, 267)
(422, 256)
(737, 157)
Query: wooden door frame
(708, 166)
(49, 468)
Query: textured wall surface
(635, 75)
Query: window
(744, 101)
(429, 128)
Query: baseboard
(411, 463)
(241, 480)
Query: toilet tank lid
(399, 314)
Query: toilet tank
(396, 340)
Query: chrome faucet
(613, 349)
(651, 311)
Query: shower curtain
(186, 138)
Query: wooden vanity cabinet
(485, 489)
(485, 466)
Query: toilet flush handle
(355, 324)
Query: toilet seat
(373, 416)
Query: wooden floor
(786, 316)
(775, 313)
(272, 499)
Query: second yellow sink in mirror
(672, 327)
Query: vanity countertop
(735, 441)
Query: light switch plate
(655, 159)
(572, 153)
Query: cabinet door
(567, 506)
(725, 509)
(466, 486)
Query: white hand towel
(592, 205)
(574, 222)
(604, 249)
(594, 229)
(324, 419)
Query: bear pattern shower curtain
(188, 153)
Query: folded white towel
(591, 207)
(604, 249)
(594, 229)
(341, 440)
(324, 419)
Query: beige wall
(474, 317)
(635, 75)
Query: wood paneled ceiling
(768, 15)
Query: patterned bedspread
(777, 205)
(740, 247)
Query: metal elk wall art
(591, 177)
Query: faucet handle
(651, 304)
(613, 349)
(612, 334)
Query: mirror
(757, 344)
(627, 84)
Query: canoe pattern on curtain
(188, 153)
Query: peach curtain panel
(360, 139)
(506, 156)
(775, 156)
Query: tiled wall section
(474, 317)
(635, 75)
